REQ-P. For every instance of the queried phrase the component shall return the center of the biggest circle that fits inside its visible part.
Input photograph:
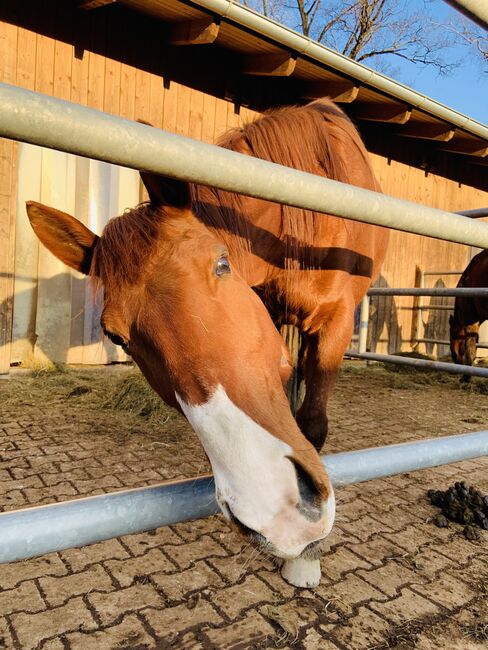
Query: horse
(196, 283)
(469, 313)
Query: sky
(465, 89)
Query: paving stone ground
(390, 578)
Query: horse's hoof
(301, 572)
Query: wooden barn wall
(392, 319)
(8, 59)
(96, 68)
(57, 68)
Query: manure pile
(462, 504)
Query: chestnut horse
(190, 281)
(469, 312)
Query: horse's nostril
(249, 532)
(310, 499)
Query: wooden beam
(479, 148)
(391, 113)
(439, 132)
(273, 65)
(87, 5)
(341, 92)
(194, 32)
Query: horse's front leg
(322, 359)
(321, 354)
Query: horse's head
(464, 339)
(175, 301)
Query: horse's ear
(66, 237)
(166, 192)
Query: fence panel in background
(30, 532)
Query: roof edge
(305, 46)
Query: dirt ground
(391, 579)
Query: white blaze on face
(254, 476)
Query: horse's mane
(126, 243)
(317, 138)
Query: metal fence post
(363, 324)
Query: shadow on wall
(383, 312)
(118, 32)
(57, 320)
(437, 325)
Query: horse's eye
(116, 339)
(223, 266)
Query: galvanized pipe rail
(453, 368)
(445, 342)
(54, 527)
(425, 291)
(477, 213)
(476, 10)
(84, 131)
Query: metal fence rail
(478, 213)
(476, 10)
(424, 273)
(446, 342)
(425, 291)
(84, 131)
(54, 527)
(453, 368)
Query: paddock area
(391, 579)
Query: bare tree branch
(472, 36)
(378, 30)
(336, 20)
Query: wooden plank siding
(97, 68)
(7, 248)
(51, 298)
(392, 318)
(8, 67)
